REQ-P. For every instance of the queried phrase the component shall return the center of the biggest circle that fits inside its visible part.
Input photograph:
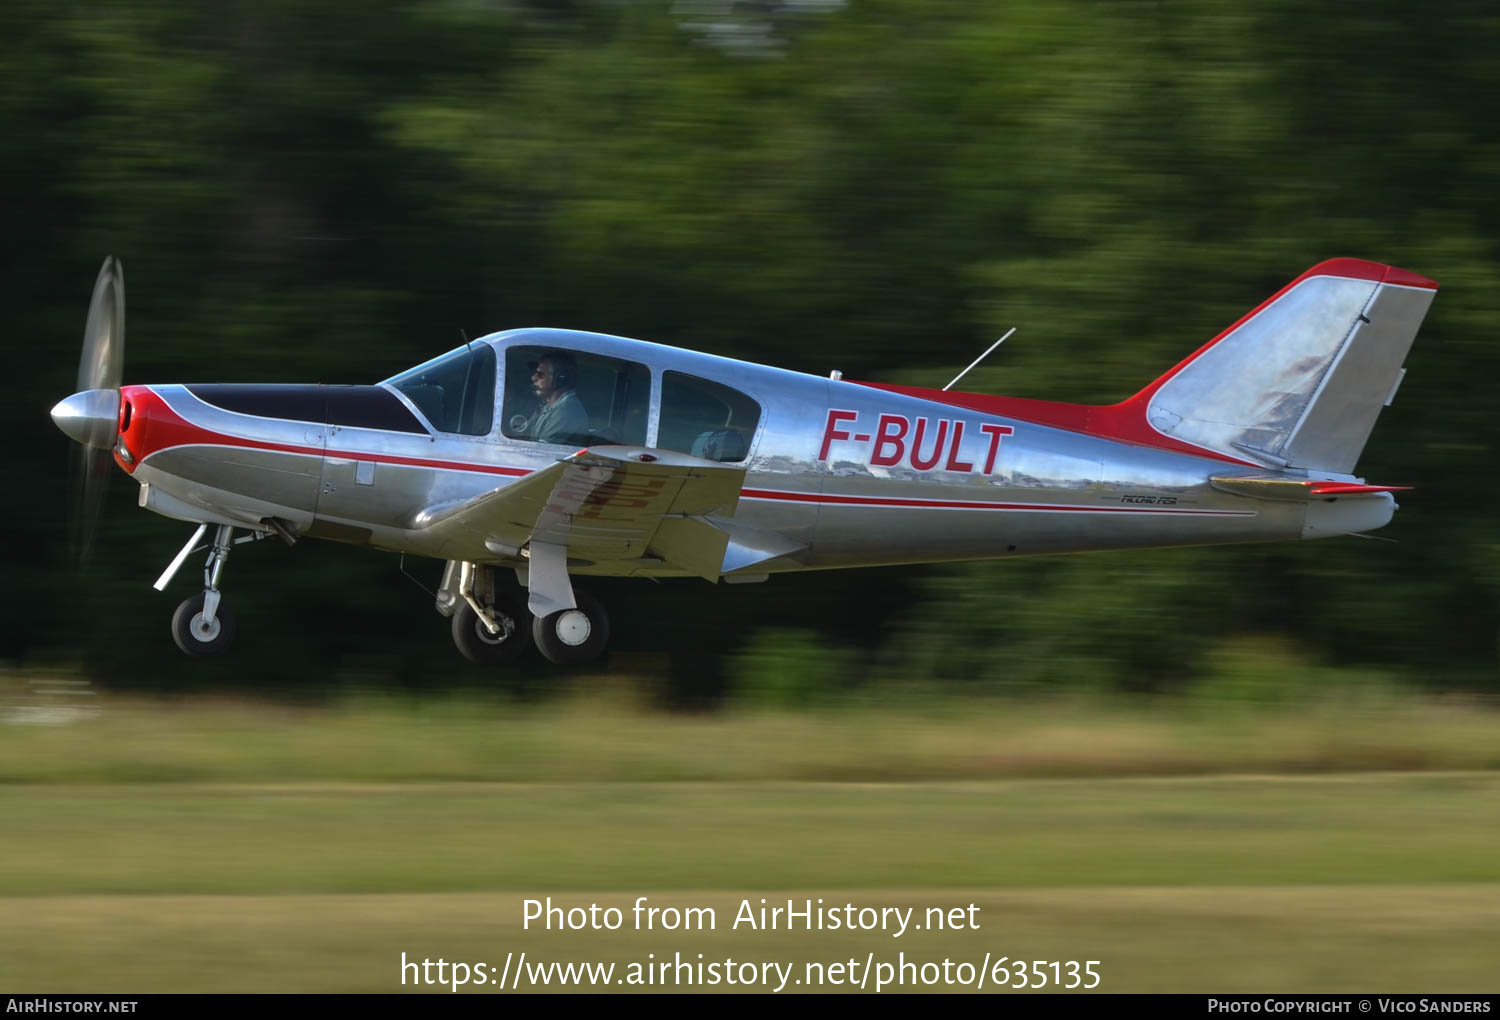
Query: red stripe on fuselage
(827, 499)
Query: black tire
(187, 630)
(566, 639)
(479, 646)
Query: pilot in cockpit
(561, 418)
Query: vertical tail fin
(1299, 381)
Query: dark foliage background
(326, 191)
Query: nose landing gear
(201, 626)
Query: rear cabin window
(555, 395)
(454, 392)
(706, 419)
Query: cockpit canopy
(567, 396)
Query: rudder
(1300, 380)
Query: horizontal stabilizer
(1353, 488)
(1296, 489)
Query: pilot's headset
(564, 369)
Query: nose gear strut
(201, 626)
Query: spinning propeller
(91, 415)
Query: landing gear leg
(202, 627)
(489, 626)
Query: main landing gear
(492, 625)
(201, 626)
(572, 637)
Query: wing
(609, 505)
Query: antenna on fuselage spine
(977, 360)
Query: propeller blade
(100, 368)
(90, 473)
(103, 360)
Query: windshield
(456, 392)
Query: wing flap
(692, 544)
(612, 503)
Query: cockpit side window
(455, 392)
(706, 419)
(573, 398)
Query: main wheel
(478, 645)
(571, 637)
(199, 639)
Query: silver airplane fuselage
(558, 453)
(853, 474)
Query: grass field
(243, 848)
(606, 736)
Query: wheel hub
(204, 631)
(573, 627)
(507, 628)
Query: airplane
(531, 457)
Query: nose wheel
(201, 635)
(201, 627)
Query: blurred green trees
(314, 191)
